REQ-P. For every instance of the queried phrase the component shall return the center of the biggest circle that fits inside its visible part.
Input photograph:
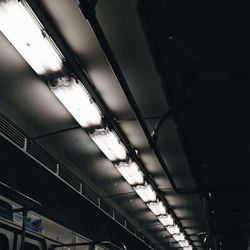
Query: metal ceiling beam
(88, 10)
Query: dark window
(4, 243)
(4, 207)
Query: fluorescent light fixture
(77, 101)
(131, 173)
(157, 208)
(166, 220)
(109, 144)
(146, 192)
(188, 248)
(173, 229)
(22, 28)
(184, 243)
(179, 237)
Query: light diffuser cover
(109, 144)
(131, 173)
(158, 208)
(179, 237)
(166, 220)
(173, 229)
(77, 101)
(22, 28)
(188, 248)
(184, 243)
(146, 192)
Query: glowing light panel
(77, 101)
(26, 34)
(173, 229)
(179, 237)
(188, 248)
(131, 173)
(166, 220)
(157, 208)
(184, 243)
(109, 144)
(146, 193)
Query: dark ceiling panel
(134, 58)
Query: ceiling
(189, 57)
(202, 55)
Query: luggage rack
(16, 137)
(27, 204)
(93, 244)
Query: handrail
(88, 244)
(22, 199)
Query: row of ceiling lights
(41, 53)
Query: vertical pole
(23, 229)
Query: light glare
(166, 220)
(77, 101)
(109, 144)
(131, 173)
(146, 193)
(173, 229)
(27, 35)
(179, 237)
(184, 243)
(157, 208)
(188, 248)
